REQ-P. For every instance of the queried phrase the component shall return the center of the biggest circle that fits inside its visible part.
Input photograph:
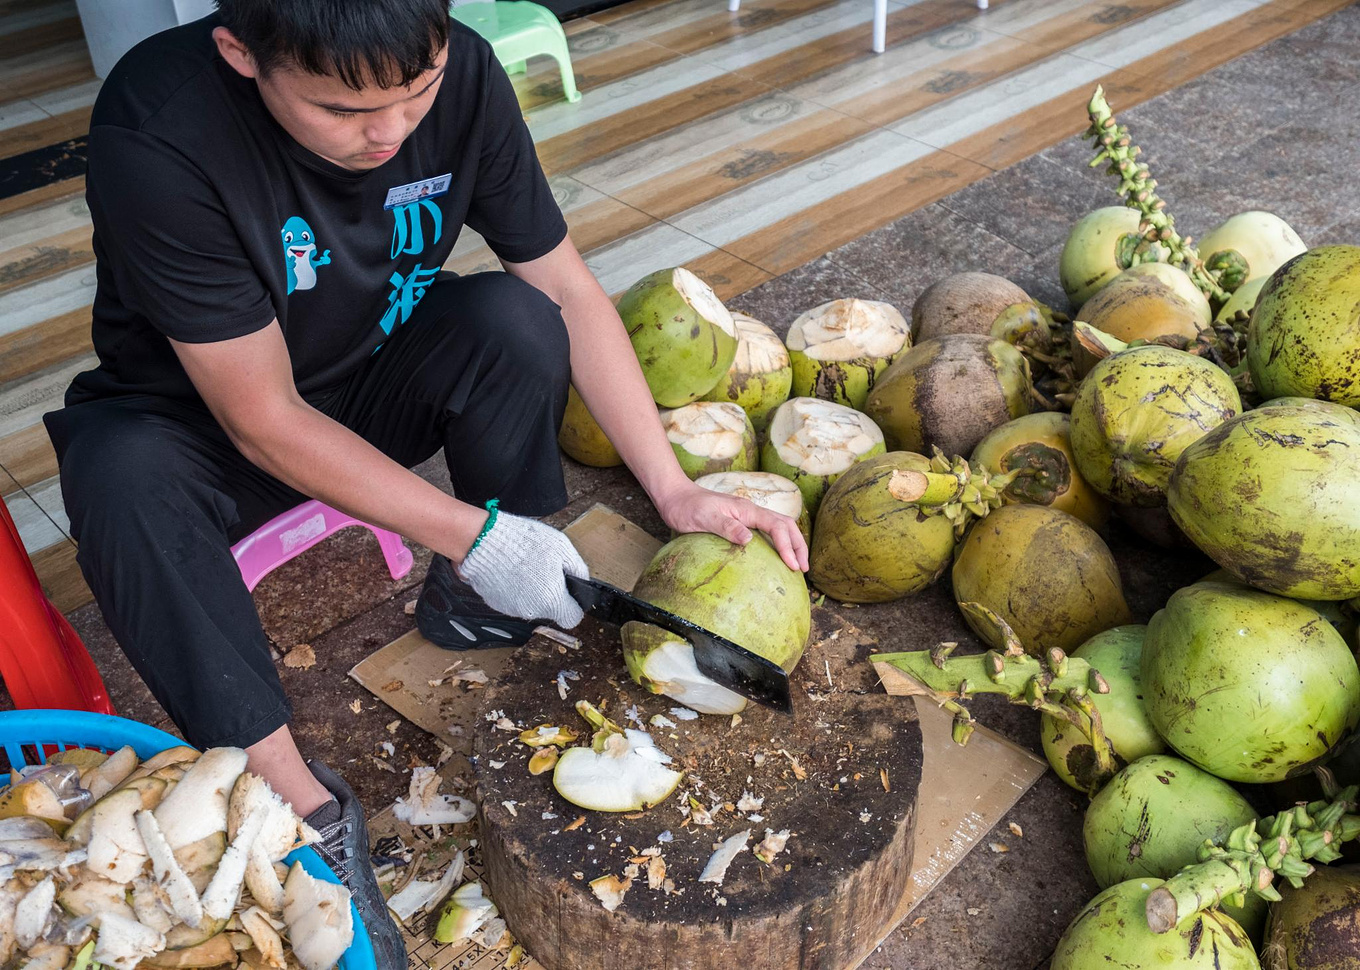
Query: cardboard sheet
(965, 791)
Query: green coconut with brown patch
(683, 336)
(1038, 448)
(1046, 573)
(1137, 411)
(582, 438)
(1180, 283)
(1248, 246)
(1100, 246)
(1249, 686)
(1273, 496)
(744, 593)
(766, 489)
(812, 442)
(1304, 336)
(971, 303)
(948, 393)
(1316, 926)
(711, 436)
(760, 376)
(839, 349)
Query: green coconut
(1317, 926)
(744, 593)
(1038, 447)
(970, 303)
(1273, 496)
(683, 336)
(760, 376)
(1249, 246)
(948, 393)
(1304, 337)
(1340, 614)
(583, 439)
(1239, 306)
(1116, 653)
(1046, 573)
(1137, 411)
(812, 442)
(1249, 686)
(710, 437)
(766, 489)
(1152, 818)
(1180, 283)
(840, 348)
(1140, 306)
(1100, 246)
(1112, 931)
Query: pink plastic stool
(297, 530)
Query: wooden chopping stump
(842, 775)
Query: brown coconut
(966, 303)
(1038, 447)
(1136, 306)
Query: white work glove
(518, 569)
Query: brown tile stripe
(45, 344)
(543, 83)
(754, 15)
(42, 37)
(56, 254)
(23, 76)
(1080, 25)
(28, 455)
(48, 193)
(47, 131)
(60, 576)
(727, 274)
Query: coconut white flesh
(123, 943)
(47, 956)
(23, 827)
(766, 489)
(113, 772)
(424, 894)
(279, 831)
(707, 429)
(773, 844)
(197, 807)
(423, 805)
(705, 302)
(174, 880)
(92, 895)
(151, 905)
(621, 778)
(263, 883)
(849, 329)
(264, 936)
(116, 850)
(716, 868)
(9, 902)
(223, 892)
(759, 349)
(317, 914)
(38, 855)
(671, 670)
(821, 437)
(33, 914)
(467, 911)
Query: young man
(274, 190)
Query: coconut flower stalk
(1139, 191)
(952, 488)
(1255, 854)
(1055, 684)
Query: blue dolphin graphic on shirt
(299, 254)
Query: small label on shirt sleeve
(415, 191)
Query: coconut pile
(1201, 397)
(173, 862)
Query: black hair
(388, 43)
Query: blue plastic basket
(46, 731)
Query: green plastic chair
(518, 30)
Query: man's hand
(695, 509)
(519, 569)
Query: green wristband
(493, 507)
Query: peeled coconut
(1139, 306)
(1180, 283)
(1239, 306)
(760, 376)
(840, 348)
(1273, 496)
(743, 593)
(621, 771)
(1317, 926)
(1112, 931)
(1304, 337)
(812, 442)
(319, 919)
(1152, 818)
(1100, 246)
(583, 439)
(683, 336)
(1137, 411)
(1249, 686)
(1250, 245)
(766, 489)
(1038, 448)
(969, 303)
(467, 909)
(1116, 653)
(948, 393)
(1044, 572)
(709, 437)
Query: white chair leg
(880, 25)
(733, 5)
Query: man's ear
(234, 53)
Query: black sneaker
(344, 847)
(450, 614)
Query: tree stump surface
(841, 774)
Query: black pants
(156, 492)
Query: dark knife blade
(726, 663)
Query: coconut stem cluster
(952, 488)
(1139, 191)
(1254, 854)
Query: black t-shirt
(210, 220)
